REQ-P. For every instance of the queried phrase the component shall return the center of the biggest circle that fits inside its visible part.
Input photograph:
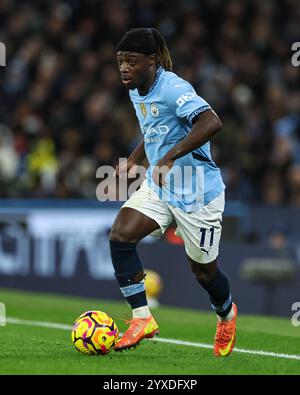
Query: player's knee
(122, 233)
(117, 234)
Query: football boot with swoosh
(139, 329)
(225, 335)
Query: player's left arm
(205, 126)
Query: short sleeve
(182, 97)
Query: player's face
(135, 68)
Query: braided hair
(147, 41)
(163, 57)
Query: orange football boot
(139, 329)
(225, 336)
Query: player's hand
(161, 169)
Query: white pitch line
(241, 350)
(56, 325)
(45, 324)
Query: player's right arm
(138, 155)
(136, 158)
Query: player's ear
(152, 59)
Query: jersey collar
(159, 71)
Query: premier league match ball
(94, 333)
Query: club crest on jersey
(154, 110)
(143, 109)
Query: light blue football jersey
(165, 116)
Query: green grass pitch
(28, 349)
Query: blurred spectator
(64, 111)
(294, 185)
(279, 242)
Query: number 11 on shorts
(203, 232)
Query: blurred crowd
(64, 112)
